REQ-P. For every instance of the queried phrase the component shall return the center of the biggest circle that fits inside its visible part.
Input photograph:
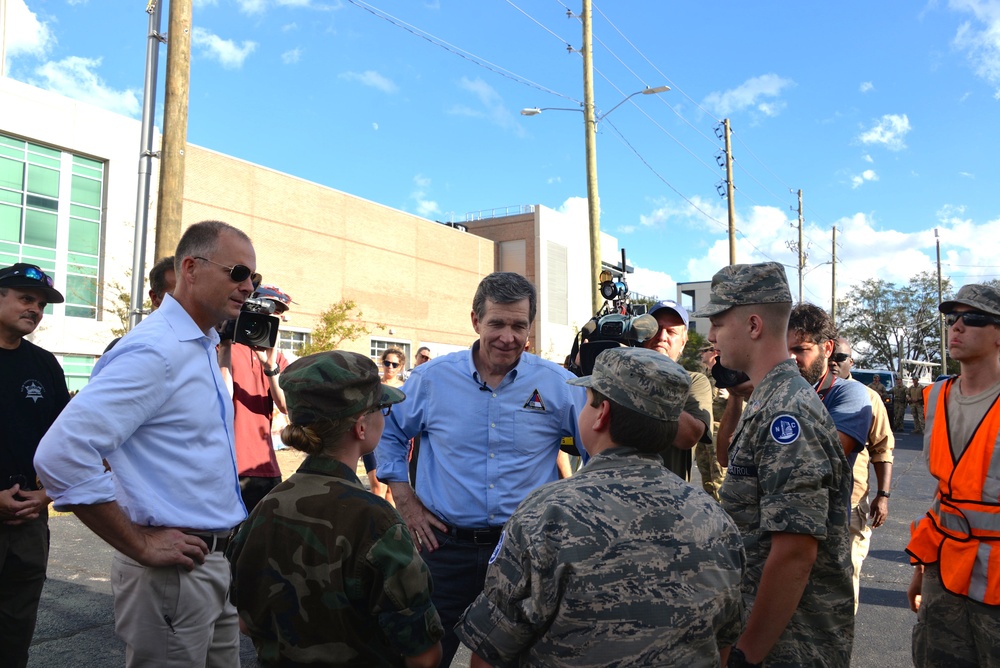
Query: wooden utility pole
(170, 202)
(590, 144)
(833, 281)
(944, 349)
(802, 256)
(730, 191)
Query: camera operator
(695, 424)
(251, 374)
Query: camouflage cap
(983, 298)
(644, 380)
(333, 384)
(742, 284)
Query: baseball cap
(275, 294)
(333, 384)
(644, 380)
(983, 298)
(23, 275)
(742, 284)
(673, 306)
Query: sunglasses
(839, 358)
(237, 273)
(971, 319)
(387, 364)
(32, 273)
(384, 408)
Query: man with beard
(811, 338)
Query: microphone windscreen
(645, 327)
(588, 329)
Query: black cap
(23, 275)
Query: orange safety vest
(961, 531)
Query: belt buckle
(482, 536)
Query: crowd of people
(484, 533)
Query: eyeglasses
(32, 273)
(971, 319)
(237, 273)
(389, 365)
(839, 358)
(422, 356)
(384, 408)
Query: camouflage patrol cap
(647, 381)
(983, 298)
(742, 284)
(333, 384)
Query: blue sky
(882, 113)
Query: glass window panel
(83, 269)
(84, 236)
(43, 181)
(12, 152)
(79, 160)
(79, 312)
(11, 174)
(86, 191)
(43, 150)
(10, 141)
(12, 196)
(85, 212)
(82, 260)
(41, 160)
(40, 202)
(43, 257)
(10, 223)
(7, 260)
(39, 228)
(81, 290)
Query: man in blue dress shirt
(491, 421)
(157, 410)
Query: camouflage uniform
(622, 564)
(916, 396)
(788, 473)
(899, 394)
(326, 573)
(698, 405)
(712, 474)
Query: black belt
(215, 542)
(487, 536)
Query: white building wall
(555, 340)
(47, 118)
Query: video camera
(618, 323)
(256, 326)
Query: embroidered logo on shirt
(534, 402)
(32, 389)
(785, 429)
(496, 552)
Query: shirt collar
(525, 359)
(182, 323)
(328, 466)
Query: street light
(590, 120)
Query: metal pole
(944, 349)
(146, 156)
(833, 282)
(590, 143)
(802, 258)
(170, 204)
(730, 192)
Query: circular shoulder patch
(496, 552)
(785, 429)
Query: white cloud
(374, 126)
(553, 179)
(751, 94)
(890, 131)
(424, 207)
(867, 158)
(252, 6)
(866, 86)
(75, 77)
(372, 79)
(867, 175)
(651, 283)
(226, 51)
(980, 38)
(291, 57)
(27, 35)
(491, 106)
(289, 27)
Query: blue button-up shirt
(482, 449)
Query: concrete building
(68, 181)
(693, 295)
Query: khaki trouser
(171, 617)
(918, 417)
(861, 542)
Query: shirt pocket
(535, 432)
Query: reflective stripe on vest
(962, 528)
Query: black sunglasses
(839, 358)
(387, 363)
(237, 273)
(971, 319)
(384, 408)
(32, 273)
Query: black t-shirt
(32, 393)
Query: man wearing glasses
(158, 411)
(32, 393)
(955, 589)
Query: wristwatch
(882, 492)
(273, 371)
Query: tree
(691, 356)
(119, 305)
(336, 325)
(887, 325)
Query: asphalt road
(76, 623)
